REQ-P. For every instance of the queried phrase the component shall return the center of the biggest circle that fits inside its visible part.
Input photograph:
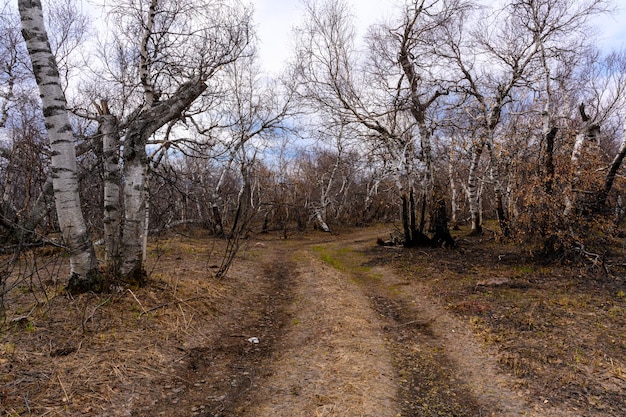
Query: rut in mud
(217, 378)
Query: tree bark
(549, 133)
(503, 219)
(84, 274)
(473, 190)
(454, 208)
(112, 179)
(136, 163)
(570, 197)
(588, 131)
(610, 176)
(408, 237)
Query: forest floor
(320, 325)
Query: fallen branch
(596, 259)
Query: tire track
(333, 361)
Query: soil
(319, 325)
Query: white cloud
(276, 19)
(612, 29)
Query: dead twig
(420, 323)
(596, 259)
(65, 396)
(136, 299)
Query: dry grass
(93, 353)
(560, 328)
(179, 345)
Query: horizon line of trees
(449, 113)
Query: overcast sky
(276, 18)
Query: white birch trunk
(473, 193)
(321, 213)
(131, 266)
(372, 190)
(144, 125)
(146, 226)
(570, 198)
(112, 179)
(83, 262)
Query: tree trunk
(570, 197)
(412, 214)
(135, 165)
(112, 180)
(84, 274)
(145, 124)
(591, 131)
(503, 219)
(610, 176)
(454, 208)
(473, 190)
(439, 219)
(319, 216)
(408, 237)
(550, 136)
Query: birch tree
(252, 114)
(182, 45)
(22, 146)
(499, 57)
(603, 104)
(382, 94)
(331, 84)
(507, 55)
(83, 263)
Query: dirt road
(338, 336)
(321, 325)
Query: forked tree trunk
(144, 125)
(591, 131)
(83, 263)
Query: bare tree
(382, 95)
(83, 262)
(500, 55)
(149, 97)
(254, 113)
